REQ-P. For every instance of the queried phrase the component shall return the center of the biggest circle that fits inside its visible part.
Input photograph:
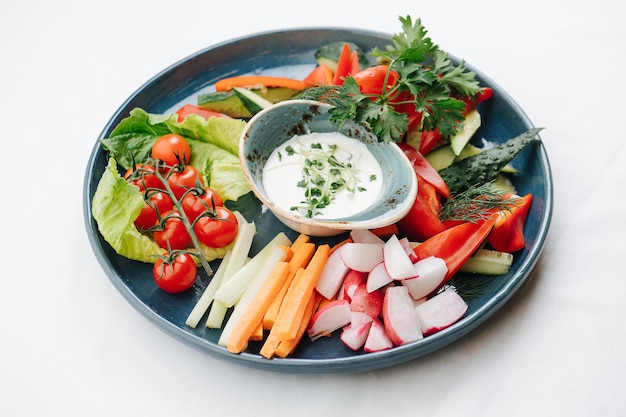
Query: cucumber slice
(470, 126)
(488, 262)
(228, 102)
(441, 158)
(252, 101)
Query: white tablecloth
(73, 346)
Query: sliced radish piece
(332, 276)
(365, 236)
(406, 244)
(399, 316)
(358, 317)
(441, 311)
(397, 261)
(378, 277)
(332, 316)
(354, 336)
(352, 280)
(370, 303)
(377, 338)
(361, 257)
(430, 273)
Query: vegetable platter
(291, 53)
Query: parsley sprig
(426, 72)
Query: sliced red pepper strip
(508, 231)
(421, 222)
(188, 109)
(356, 65)
(424, 169)
(321, 75)
(344, 65)
(456, 244)
(371, 80)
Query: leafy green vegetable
(426, 73)
(115, 206)
(214, 144)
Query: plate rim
(356, 363)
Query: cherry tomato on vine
(172, 149)
(194, 205)
(181, 181)
(173, 232)
(157, 202)
(142, 175)
(219, 230)
(175, 275)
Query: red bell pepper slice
(188, 109)
(371, 79)
(321, 75)
(424, 169)
(508, 231)
(344, 65)
(456, 244)
(421, 222)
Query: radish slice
(377, 338)
(441, 311)
(397, 262)
(398, 316)
(378, 277)
(361, 257)
(430, 272)
(365, 236)
(332, 276)
(354, 336)
(332, 316)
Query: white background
(73, 346)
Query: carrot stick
(258, 332)
(301, 257)
(286, 347)
(271, 343)
(297, 297)
(302, 238)
(252, 316)
(262, 81)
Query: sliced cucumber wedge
(488, 262)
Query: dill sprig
(476, 203)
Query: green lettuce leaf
(214, 144)
(115, 206)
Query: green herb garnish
(324, 176)
(426, 75)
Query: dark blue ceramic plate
(291, 53)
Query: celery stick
(231, 290)
(207, 296)
(216, 315)
(275, 255)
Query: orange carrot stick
(286, 347)
(258, 81)
(273, 341)
(301, 257)
(297, 297)
(302, 238)
(252, 316)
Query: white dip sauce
(286, 175)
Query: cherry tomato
(172, 149)
(181, 181)
(175, 275)
(157, 202)
(219, 230)
(194, 205)
(173, 232)
(142, 175)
